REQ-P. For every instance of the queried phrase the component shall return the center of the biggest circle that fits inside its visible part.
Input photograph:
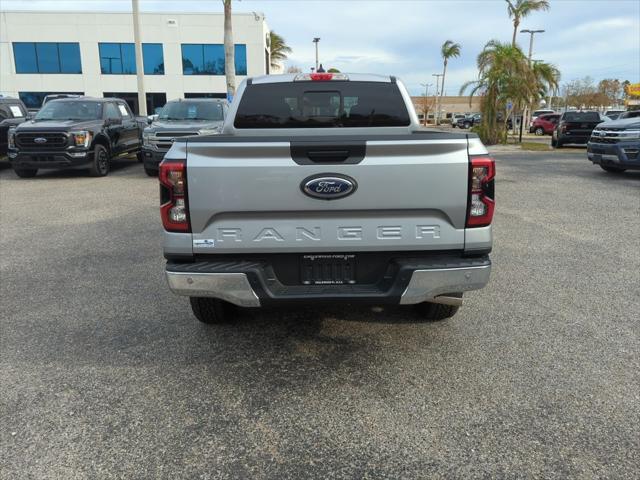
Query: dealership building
(93, 54)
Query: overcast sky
(599, 38)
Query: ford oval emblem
(329, 186)
(40, 140)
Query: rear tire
(466, 125)
(140, 157)
(212, 310)
(101, 162)
(435, 312)
(25, 172)
(612, 169)
(151, 172)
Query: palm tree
(518, 9)
(448, 50)
(279, 49)
(229, 54)
(506, 76)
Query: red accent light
(482, 173)
(321, 76)
(173, 180)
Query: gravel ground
(105, 374)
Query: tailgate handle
(328, 155)
(328, 151)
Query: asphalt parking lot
(106, 374)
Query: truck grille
(163, 140)
(606, 140)
(609, 136)
(41, 140)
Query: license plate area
(328, 269)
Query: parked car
(180, 118)
(78, 133)
(615, 145)
(456, 117)
(12, 113)
(287, 205)
(469, 121)
(574, 127)
(613, 114)
(544, 124)
(536, 113)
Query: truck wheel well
(104, 142)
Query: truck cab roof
(328, 76)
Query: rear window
(582, 117)
(309, 104)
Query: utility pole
(525, 113)
(426, 100)
(438, 106)
(142, 98)
(316, 40)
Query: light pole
(426, 100)
(525, 114)
(531, 33)
(142, 98)
(316, 40)
(438, 106)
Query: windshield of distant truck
(70, 110)
(211, 111)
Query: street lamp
(316, 40)
(438, 106)
(531, 33)
(526, 112)
(426, 99)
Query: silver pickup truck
(324, 188)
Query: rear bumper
(622, 154)
(577, 138)
(50, 159)
(254, 284)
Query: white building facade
(93, 54)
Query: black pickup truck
(12, 113)
(78, 133)
(575, 128)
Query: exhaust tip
(447, 300)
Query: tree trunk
(229, 54)
(444, 72)
(516, 24)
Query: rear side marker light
(173, 196)
(481, 204)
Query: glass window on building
(117, 58)
(120, 58)
(153, 59)
(33, 100)
(208, 59)
(47, 57)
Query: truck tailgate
(245, 195)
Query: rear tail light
(481, 203)
(174, 206)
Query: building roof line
(125, 12)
